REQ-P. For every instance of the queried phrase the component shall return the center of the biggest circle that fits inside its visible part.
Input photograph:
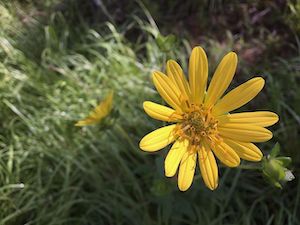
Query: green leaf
(275, 150)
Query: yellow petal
(161, 112)
(187, 170)
(99, 112)
(226, 154)
(239, 96)
(261, 118)
(167, 89)
(198, 72)
(221, 79)
(244, 132)
(174, 157)
(175, 72)
(208, 167)
(158, 139)
(247, 151)
(85, 122)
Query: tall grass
(53, 72)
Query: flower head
(203, 127)
(98, 113)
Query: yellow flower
(98, 113)
(203, 126)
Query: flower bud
(274, 168)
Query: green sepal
(273, 171)
(275, 150)
(285, 161)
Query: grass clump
(53, 72)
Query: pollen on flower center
(197, 124)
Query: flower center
(198, 124)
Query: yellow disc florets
(198, 124)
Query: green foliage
(293, 15)
(59, 58)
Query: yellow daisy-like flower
(204, 128)
(98, 113)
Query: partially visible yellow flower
(98, 113)
(204, 128)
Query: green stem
(125, 134)
(249, 167)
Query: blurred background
(59, 58)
